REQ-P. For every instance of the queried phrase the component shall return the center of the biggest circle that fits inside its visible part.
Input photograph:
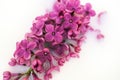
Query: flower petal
(37, 27)
(92, 13)
(18, 53)
(58, 37)
(67, 16)
(53, 15)
(88, 6)
(27, 55)
(31, 45)
(49, 28)
(23, 44)
(49, 37)
(58, 7)
(39, 24)
(73, 5)
(74, 26)
(75, 19)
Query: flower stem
(29, 71)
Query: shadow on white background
(99, 60)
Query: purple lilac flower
(24, 49)
(61, 61)
(73, 34)
(70, 22)
(53, 15)
(88, 10)
(52, 34)
(6, 75)
(12, 62)
(73, 5)
(58, 17)
(38, 40)
(37, 27)
(58, 7)
(44, 55)
(37, 65)
(21, 61)
(42, 18)
(60, 49)
(58, 12)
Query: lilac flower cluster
(54, 39)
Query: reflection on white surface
(99, 60)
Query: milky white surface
(99, 60)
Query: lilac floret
(52, 34)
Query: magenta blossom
(6, 75)
(37, 65)
(12, 62)
(88, 10)
(73, 5)
(57, 17)
(60, 49)
(44, 55)
(24, 49)
(52, 34)
(70, 22)
(38, 40)
(37, 27)
(61, 61)
(73, 34)
(58, 7)
(22, 61)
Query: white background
(99, 60)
